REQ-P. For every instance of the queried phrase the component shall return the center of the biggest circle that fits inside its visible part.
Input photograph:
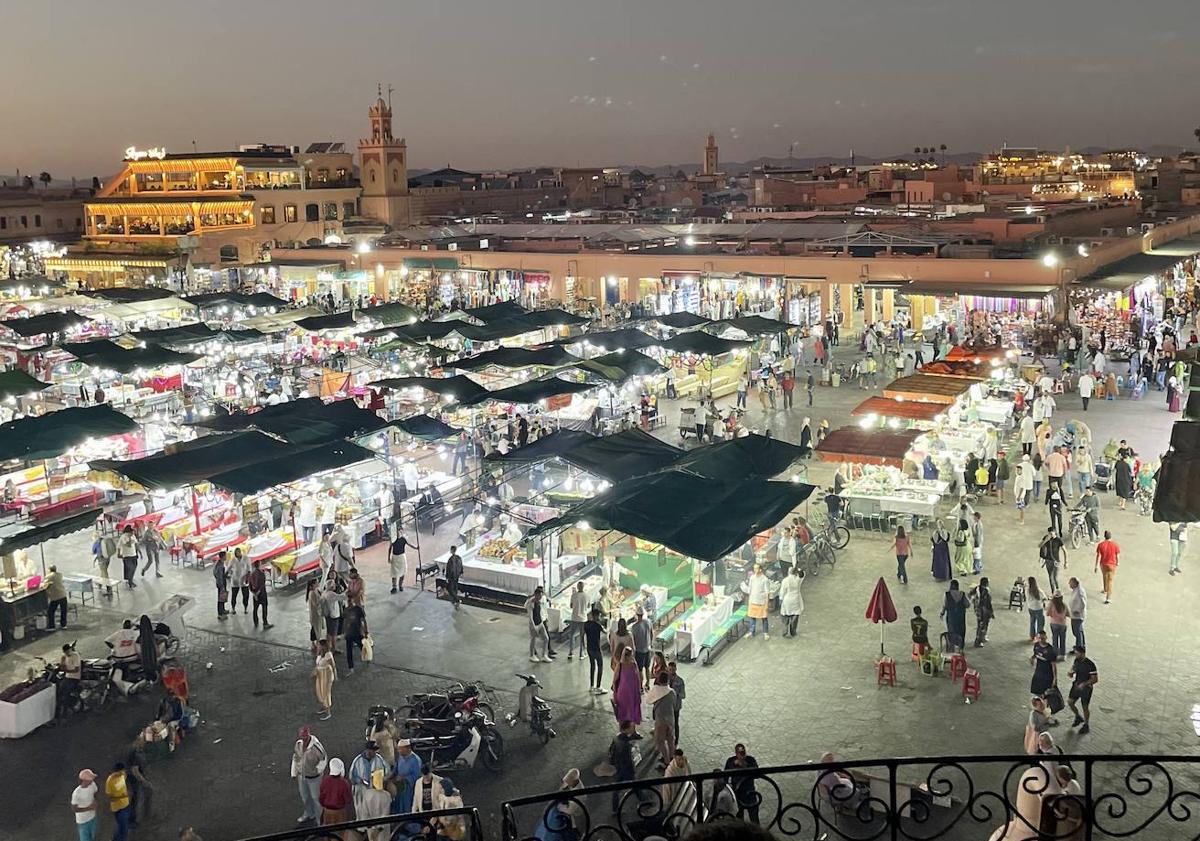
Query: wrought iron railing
(459, 824)
(920, 799)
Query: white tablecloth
(560, 608)
(995, 411)
(870, 504)
(514, 578)
(699, 625)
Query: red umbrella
(881, 609)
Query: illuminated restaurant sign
(132, 153)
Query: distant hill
(738, 167)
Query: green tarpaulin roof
(297, 464)
(700, 342)
(199, 461)
(242, 337)
(754, 455)
(17, 383)
(124, 360)
(389, 314)
(426, 428)
(619, 366)
(456, 388)
(48, 531)
(530, 391)
(496, 312)
(131, 294)
(627, 338)
(53, 434)
(187, 334)
(336, 321)
(306, 421)
(756, 325)
(690, 514)
(551, 356)
(680, 320)
(50, 322)
(554, 318)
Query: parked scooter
(533, 709)
(458, 743)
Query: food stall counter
(692, 632)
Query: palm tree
(943, 148)
(1197, 133)
(45, 178)
(917, 149)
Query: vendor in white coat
(307, 518)
(758, 602)
(791, 603)
(328, 512)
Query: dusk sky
(506, 83)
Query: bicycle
(835, 532)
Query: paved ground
(789, 700)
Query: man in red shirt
(1107, 555)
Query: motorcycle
(456, 744)
(438, 706)
(533, 709)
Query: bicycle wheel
(1076, 536)
(839, 537)
(825, 554)
(492, 749)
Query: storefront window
(289, 213)
(267, 214)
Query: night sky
(507, 83)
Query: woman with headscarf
(941, 552)
(954, 609)
(1123, 481)
(619, 641)
(335, 796)
(963, 546)
(791, 602)
(929, 470)
(627, 689)
(805, 434)
(324, 674)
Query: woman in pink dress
(627, 690)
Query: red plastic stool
(958, 667)
(971, 687)
(885, 671)
(918, 649)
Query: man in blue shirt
(408, 771)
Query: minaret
(383, 168)
(710, 156)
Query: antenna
(390, 89)
(379, 89)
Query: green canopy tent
(616, 457)
(680, 320)
(755, 325)
(530, 391)
(126, 360)
(389, 314)
(16, 383)
(455, 388)
(130, 294)
(199, 461)
(701, 343)
(242, 337)
(336, 321)
(306, 421)
(554, 318)
(51, 435)
(188, 334)
(619, 366)
(44, 324)
(426, 428)
(627, 338)
(689, 514)
(41, 534)
(496, 312)
(754, 455)
(291, 466)
(550, 356)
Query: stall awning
(530, 391)
(242, 337)
(699, 342)
(124, 360)
(454, 388)
(619, 366)
(290, 467)
(50, 322)
(16, 383)
(936, 388)
(554, 318)
(187, 334)
(867, 446)
(551, 356)
(496, 312)
(1130, 271)
(272, 322)
(627, 338)
(614, 457)
(305, 421)
(52, 434)
(389, 314)
(680, 320)
(756, 325)
(130, 294)
(336, 321)
(29, 285)
(425, 427)
(258, 300)
(737, 458)
(888, 407)
(48, 531)
(198, 461)
(689, 514)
